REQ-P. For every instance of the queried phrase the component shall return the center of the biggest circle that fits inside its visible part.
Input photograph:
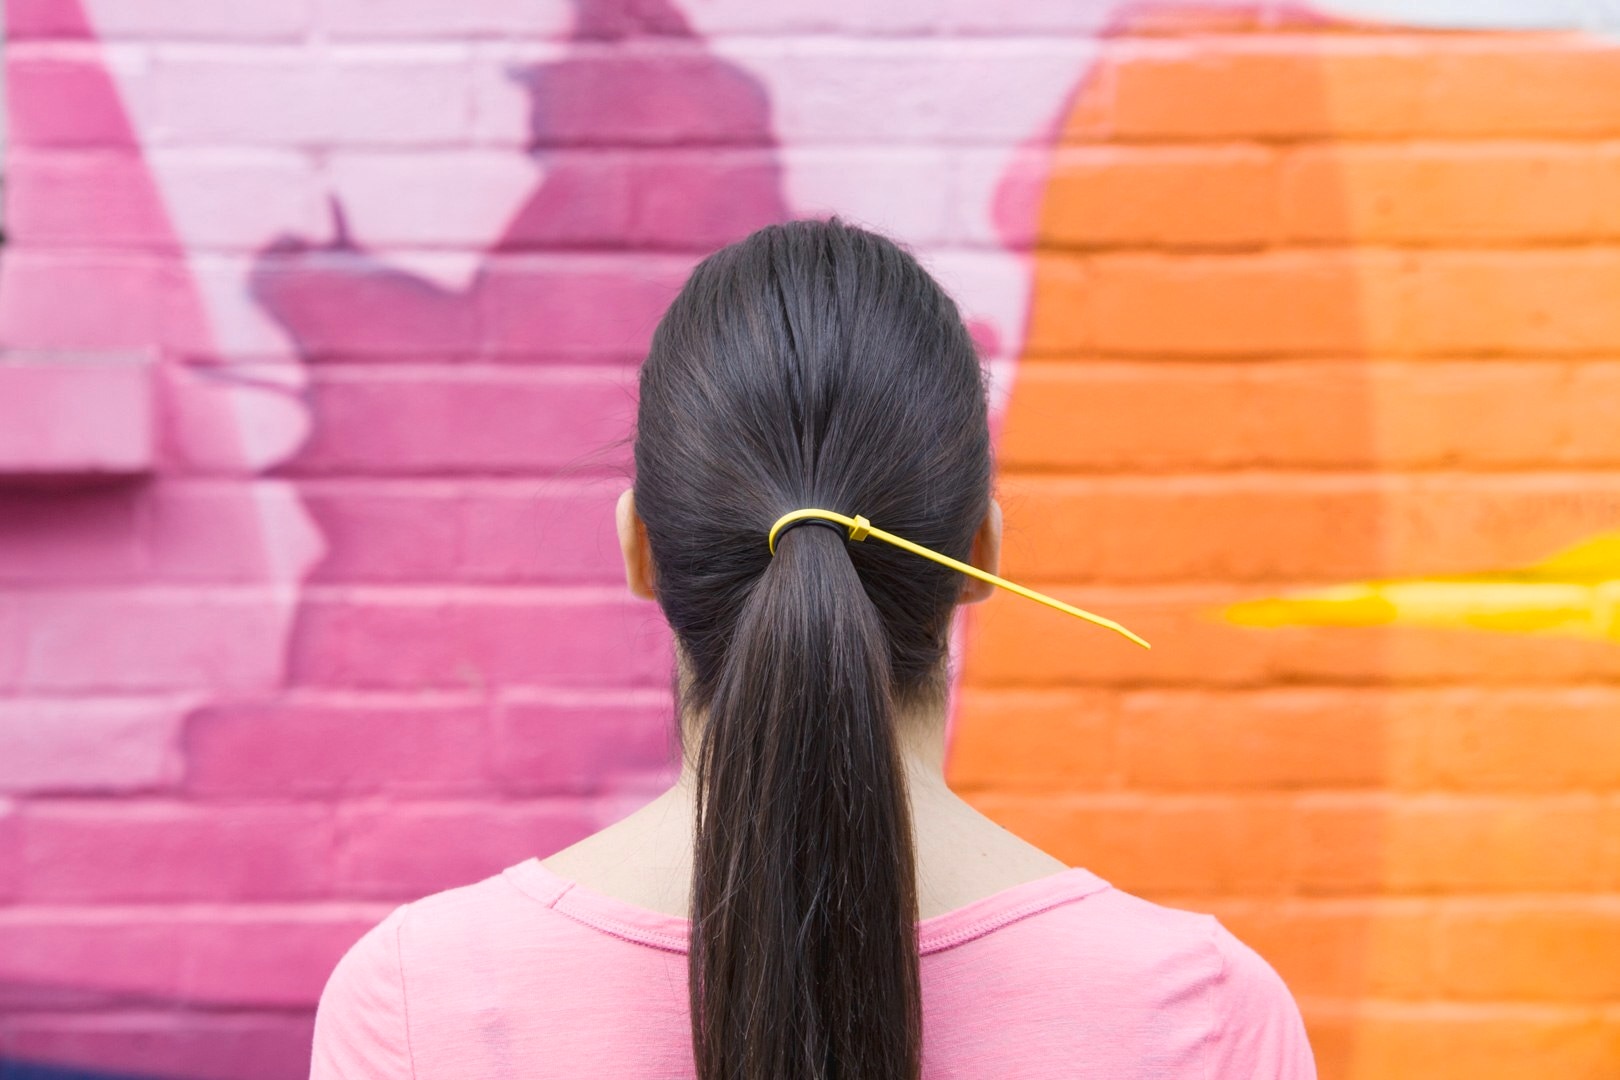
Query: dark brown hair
(813, 363)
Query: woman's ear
(638, 564)
(986, 556)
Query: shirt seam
(404, 1001)
(996, 921)
(637, 935)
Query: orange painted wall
(1315, 306)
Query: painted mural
(318, 333)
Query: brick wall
(1318, 379)
(319, 322)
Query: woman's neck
(646, 858)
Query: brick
(406, 850)
(834, 108)
(76, 418)
(1441, 193)
(83, 199)
(1440, 845)
(560, 533)
(1062, 316)
(243, 95)
(408, 97)
(466, 639)
(1515, 521)
(669, 93)
(581, 198)
(1017, 644)
(1609, 846)
(370, 20)
(30, 19)
(1278, 739)
(1272, 87)
(89, 851)
(337, 302)
(252, 1046)
(1188, 847)
(1057, 15)
(449, 421)
(1349, 950)
(1145, 417)
(738, 18)
(447, 198)
(141, 301)
(600, 305)
(1122, 530)
(1158, 415)
(1033, 741)
(590, 308)
(238, 531)
(1315, 528)
(267, 958)
(1295, 86)
(1484, 1042)
(674, 203)
(1530, 85)
(1444, 845)
(303, 749)
(987, 92)
(168, 20)
(859, 182)
(1607, 180)
(87, 745)
(994, 195)
(151, 640)
(376, 534)
(242, 328)
(231, 199)
(1169, 20)
(10, 850)
(1521, 302)
(1544, 740)
(585, 744)
(77, 531)
(1342, 844)
(62, 99)
(1276, 303)
(1451, 414)
(13, 646)
(1521, 951)
(1125, 196)
(1594, 424)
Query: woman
(809, 900)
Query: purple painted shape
(569, 282)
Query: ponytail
(804, 947)
(812, 364)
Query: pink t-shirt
(527, 974)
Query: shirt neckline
(662, 930)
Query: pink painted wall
(318, 329)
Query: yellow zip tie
(860, 529)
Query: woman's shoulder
(1174, 955)
(430, 951)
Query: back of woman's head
(812, 364)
